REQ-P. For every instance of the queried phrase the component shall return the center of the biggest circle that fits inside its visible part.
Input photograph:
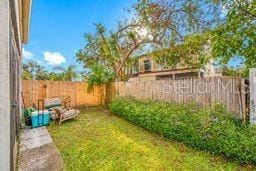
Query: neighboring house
(14, 29)
(147, 68)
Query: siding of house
(11, 31)
(184, 69)
(156, 66)
(5, 108)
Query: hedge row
(214, 129)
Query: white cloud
(27, 54)
(54, 58)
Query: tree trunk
(119, 76)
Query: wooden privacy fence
(230, 92)
(34, 90)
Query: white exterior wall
(4, 87)
(6, 8)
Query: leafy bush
(212, 129)
(28, 112)
(99, 75)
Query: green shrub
(212, 129)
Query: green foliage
(231, 71)
(32, 70)
(99, 140)
(70, 73)
(213, 130)
(99, 75)
(101, 49)
(236, 37)
(66, 74)
(28, 112)
(178, 18)
(193, 45)
(26, 75)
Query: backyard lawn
(98, 140)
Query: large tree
(156, 24)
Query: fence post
(252, 77)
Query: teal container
(40, 118)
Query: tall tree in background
(176, 29)
(156, 24)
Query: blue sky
(57, 27)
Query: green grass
(99, 140)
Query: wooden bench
(58, 111)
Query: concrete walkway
(38, 152)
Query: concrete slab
(28, 133)
(38, 152)
(33, 138)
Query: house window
(147, 65)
